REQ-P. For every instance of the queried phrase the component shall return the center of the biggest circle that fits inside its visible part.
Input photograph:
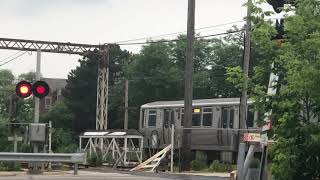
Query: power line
(175, 33)
(175, 40)
(158, 78)
(13, 58)
(10, 56)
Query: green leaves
(81, 90)
(297, 63)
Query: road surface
(108, 176)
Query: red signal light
(40, 89)
(23, 89)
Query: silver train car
(213, 124)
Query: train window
(152, 118)
(207, 117)
(143, 118)
(231, 118)
(166, 117)
(172, 117)
(182, 117)
(196, 116)
(224, 117)
(250, 116)
(196, 119)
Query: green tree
(80, 92)
(295, 107)
(153, 76)
(60, 116)
(297, 104)
(29, 76)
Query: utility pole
(245, 67)
(188, 89)
(244, 95)
(126, 88)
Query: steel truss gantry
(124, 147)
(74, 48)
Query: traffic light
(39, 89)
(23, 89)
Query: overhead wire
(180, 32)
(175, 40)
(175, 33)
(6, 62)
(10, 56)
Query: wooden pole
(188, 95)
(245, 67)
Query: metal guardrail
(74, 158)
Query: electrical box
(37, 133)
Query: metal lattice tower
(73, 48)
(102, 90)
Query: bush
(200, 161)
(216, 166)
(63, 141)
(70, 148)
(108, 159)
(255, 163)
(95, 160)
(10, 166)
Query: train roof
(197, 102)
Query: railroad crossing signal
(23, 89)
(39, 89)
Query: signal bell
(39, 89)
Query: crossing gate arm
(157, 158)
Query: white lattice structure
(124, 147)
(102, 90)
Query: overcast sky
(102, 21)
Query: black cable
(10, 56)
(13, 59)
(168, 34)
(175, 40)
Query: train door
(168, 120)
(227, 122)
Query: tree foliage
(295, 107)
(21, 110)
(80, 92)
(156, 73)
